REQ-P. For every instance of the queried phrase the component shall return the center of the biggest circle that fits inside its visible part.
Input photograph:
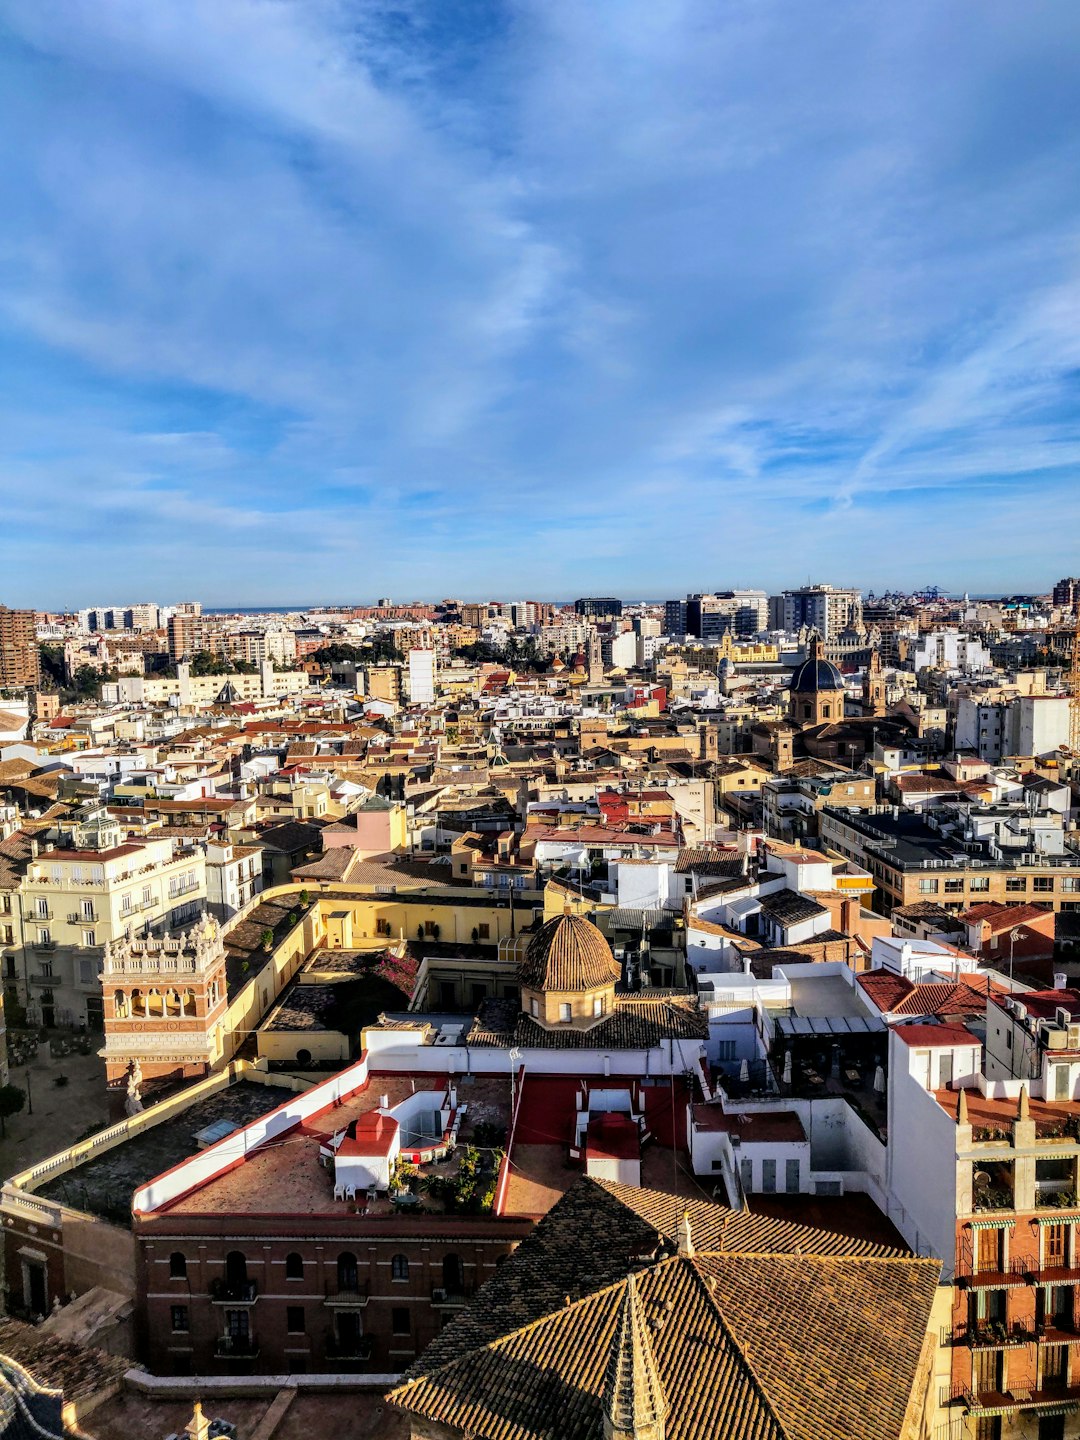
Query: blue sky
(322, 300)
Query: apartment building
(958, 857)
(20, 660)
(821, 608)
(985, 1167)
(73, 899)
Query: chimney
(1061, 980)
(686, 1239)
(962, 1109)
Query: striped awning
(993, 1224)
(1066, 1217)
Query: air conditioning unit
(1074, 1037)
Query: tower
(817, 689)
(165, 1001)
(873, 690)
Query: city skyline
(557, 296)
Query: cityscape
(539, 720)
(403, 997)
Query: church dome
(816, 674)
(566, 954)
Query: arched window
(453, 1274)
(348, 1277)
(177, 1266)
(399, 1267)
(154, 1003)
(189, 1002)
(172, 1002)
(294, 1266)
(120, 1005)
(235, 1268)
(138, 1003)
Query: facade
(422, 668)
(598, 606)
(71, 902)
(185, 635)
(234, 876)
(817, 689)
(165, 1002)
(822, 608)
(20, 660)
(912, 861)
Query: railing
(987, 1335)
(236, 1346)
(234, 1292)
(76, 918)
(452, 1298)
(351, 1292)
(43, 945)
(358, 1348)
(45, 980)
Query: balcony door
(987, 1250)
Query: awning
(992, 1224)
(1068, 1217)
(796, 1026)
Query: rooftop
(103, 1184)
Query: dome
(569, 953)
(816, 674)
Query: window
(1054, 1243)
(598, 1006)
(534, 1008)
(41, 907)
(180, 1319)
(237, 1324)
(1070, 883)
(768, 1176)
(727, 1051)
(979, 882)
(177, 1266)
(348, 1276)
(87, 910)
(953, 887)
(294, 1266)
(483, 932)
(565, 1013)
(1015, 882)
(44, 936)
(928, 887)
(294, 1319)
(746, 1173)
(1043, 883)
(399, 1321)
(791, 1176)
(399, 1267)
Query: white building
(422, 677)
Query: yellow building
(72, 902)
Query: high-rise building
(675, 617)
(422, 677)
(738, 612)
(822, 608)
(185, 635)
(594, 606)
(1067, 591)
(20, 659)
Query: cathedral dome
(816, 674)
(568, 954)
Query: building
(633, 1315)
(744, 613)
(1067, 592)
(984, 1169)
(422, 668)
(185, 635)
(1018, 725)
(598, 607)
(67, 903)
(675, 617)
(165, 1004)
(234, 877)
(20, 659)
(957, 856)
(817, 689)
(822, 608)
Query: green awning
(994, 1224)
(1064, 1217)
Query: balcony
(234, 1292)
(43, 945)
(75, 918)
(996, 1402)
(348, 1347)
(988, 1335)
(48, 913)
(47, 981)
(236, 1347)
(348, 1296)
(1016, 1273)
(454, 1299)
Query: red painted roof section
(374, 1136)
(936, 1035)
(613, 1137)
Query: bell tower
(873, 688)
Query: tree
(12, 1100)
(267, 939)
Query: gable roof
(770, 1331)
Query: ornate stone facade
(165, 1003)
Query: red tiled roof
(1001, 916)
(936, 1035)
